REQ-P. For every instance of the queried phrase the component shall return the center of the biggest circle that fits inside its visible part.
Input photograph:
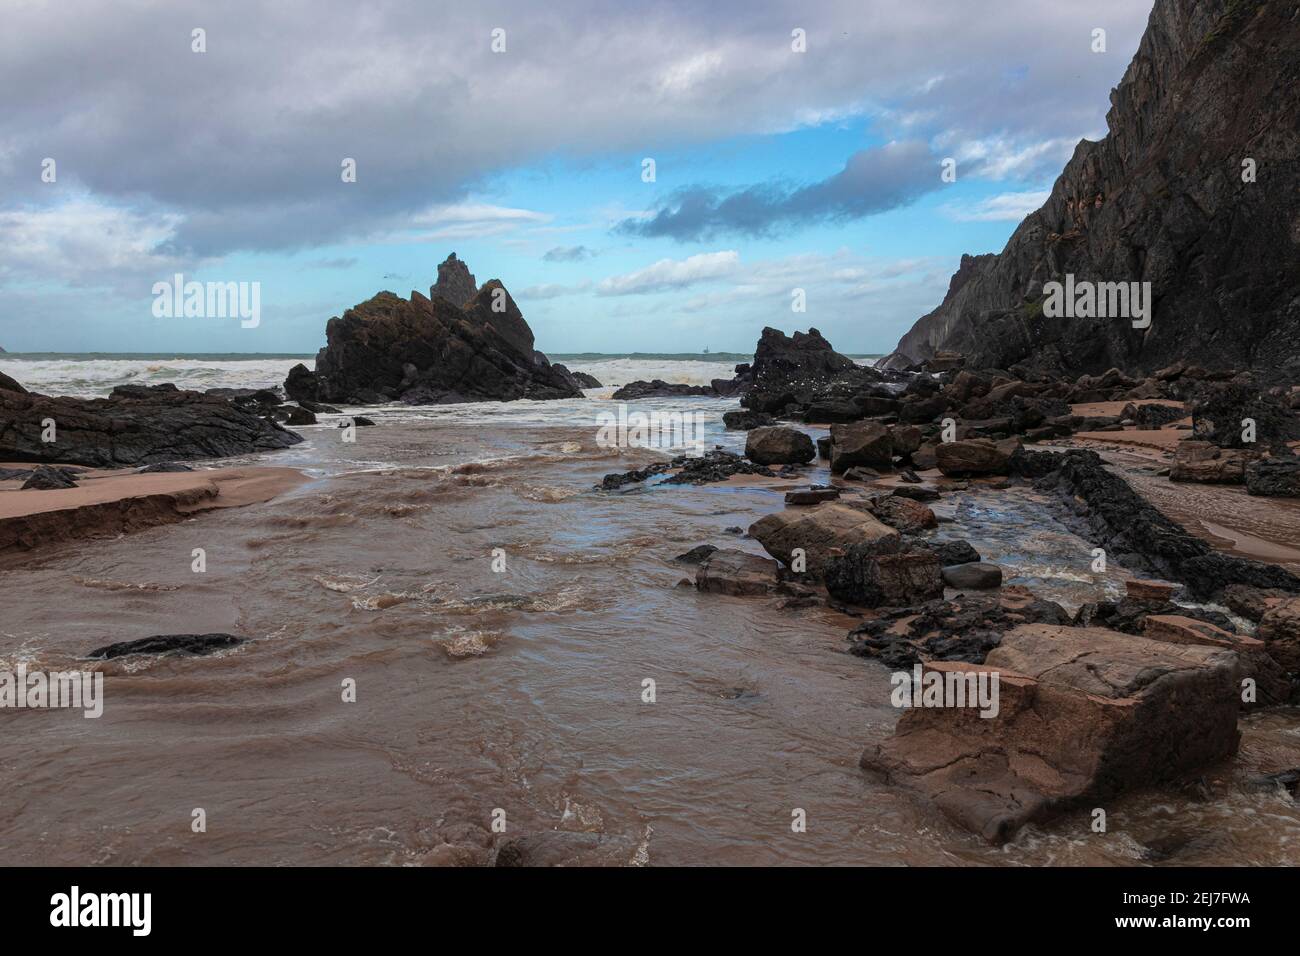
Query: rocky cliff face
(1161, 199)
(462, 344)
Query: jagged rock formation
(461, 344)
(136, 425)
(1160, 199)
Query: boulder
(7, 384)
(906, 439)
(954, 552)
(742, 420)
(974, 576)
(811, 496)
(862, 443)
(1274, 478)
(1204, 463)
(1279, 629)
(1150, 590)
(1083, 714)
(821, 531)
(904, 514)
(1254, 663)
(976, 456)
(865, 577)
(46, 478)
(739, 573)
(779, 445)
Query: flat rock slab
(1083, 714)
(193, 645)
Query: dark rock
(188, 644)
(715, 466)
(138, 425)
(954, 552)
(302, 386)
(577, 379)
(779, 445)
(7, 384)
(317, 408)
(976, 456)
(1274, 477)
(868, 578)
(696, 554)
(811, 496)
(743, 420)
(46, 478)
(916, 492)
(360, 421)
(432, 350)
(863, 443)
(661, 389)
(739, 573)
(976, 576)
(294, 415)
(164, 466)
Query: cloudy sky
(774, 169)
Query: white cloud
(672, 274)
(1005, 207)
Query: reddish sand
(115, 502)
(1100, 409)
(1162, 439)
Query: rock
(1220, 410)
(977, 576)
(945, 361)
(954, 552)
(868, 578)
(661, 389)
(1153, 416)
(359, 421)
(964, 629)
(1123, 210)
(319, 408)
(455, 282)
(301, 384)
(861, 474)
(862, 443)
(779, 445)
(164, 466)
(696, 554)
(1199, 461)
(1271, 684)
(811, 496)
(1137, 534)
(294, 415)
(743, 420)
(1279, 629)
(819, 531)
(1252, 603)
(904, 514)
(185, 644)
(1150, 590)
(916, 492)
(135, 426)
(976, 456)
(1274, 478)
(45, 478)
(1129, 615)
(906, 439)
(7, 384)
(577, 379)
(799, 369)
(431, 350)
(739, 573)
(567, 848)
(926, 457)
(1083, 714)
(833, 410)
(714, 466)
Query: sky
(793, 146)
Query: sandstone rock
(1083, 715)
(904, 514)
(1279, 629)
(906, 439)
(977, 576)
(1254, 662)
(821, 531)
(976, 457)
(739, 573)
(1253, 603)
(1199, 461)
(1150, 590)
(779, 445)
(863, 443)
(811, 496)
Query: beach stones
(861, 443)
(1082, 714)
(977, 576)
(864, 577)
(819, 531)
(779, 445)
(976, 456)
(738, 573)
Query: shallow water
(519, 690)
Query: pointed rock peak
(455, 282)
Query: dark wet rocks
(811, 496)
(136, 425)
(658, 388)
(742, 420)
(779, 445)
(865, 443)
(192, 645)
(1274, 477)
(47, 478)
(716, 465)
(954, 552)
(166, 467)
(974, 576)
(738, 573)
(433, 350)
(976, 456)
(696, 554)
(963, 629)
(866, 576)
(820, 533)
